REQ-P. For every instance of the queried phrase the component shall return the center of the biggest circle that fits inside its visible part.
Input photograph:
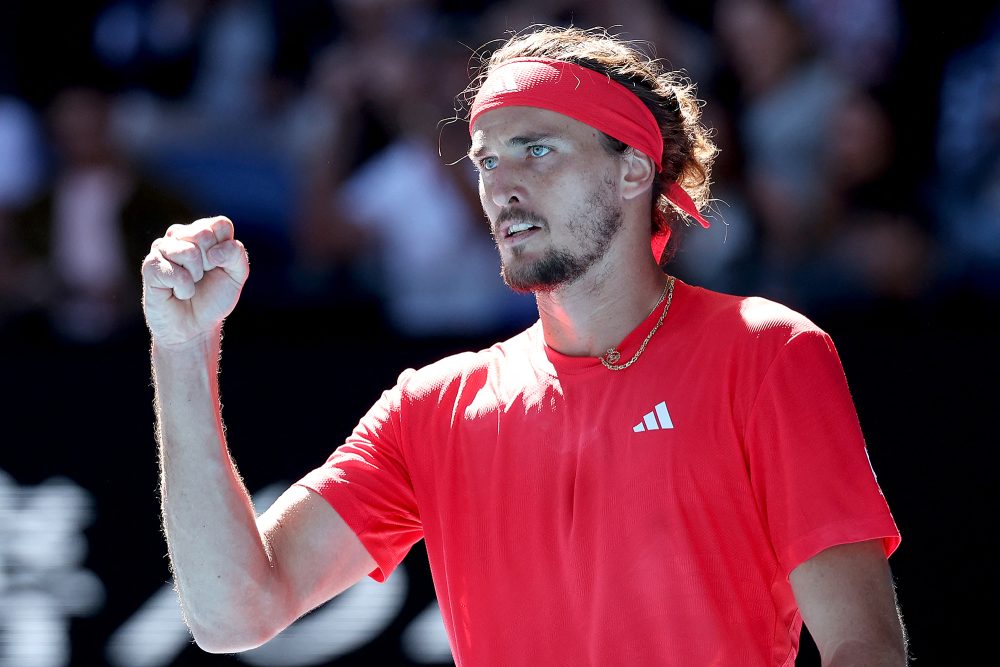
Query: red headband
(589, 97)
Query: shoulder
(749, 319)
(459, 373)
(746, 335)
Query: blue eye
(538, 151)
(488, 163)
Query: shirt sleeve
(808, 462)
(367, 483)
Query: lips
(512, 223)
(519, 227)
(512, 234)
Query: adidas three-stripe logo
(655, 420)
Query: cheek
(563, 185)
(487, 203)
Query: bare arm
(241, 580)
(847, 600)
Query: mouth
(513, 224)
(518, 228)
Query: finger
(223, 228)
(204, 239)
(231, 257)
(215, 230)
(205, 233)
(159, 273)
(220, 225)
(182, 252)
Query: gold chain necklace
(611, 357)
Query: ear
(637, 173)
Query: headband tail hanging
(677, 196)
(659, 243)
(682, 200)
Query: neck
(598, 310)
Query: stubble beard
(595, 225)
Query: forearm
(218, 558)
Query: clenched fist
(192, 279)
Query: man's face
(549, 189)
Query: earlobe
(638, 172)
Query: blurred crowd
(859, 165)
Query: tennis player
(652, 474)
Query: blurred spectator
(344, 116)
(21, 158)
(21, 173)
(417, 218)
(326, 131)
(874, 245)
(680, 43)
(235, 62)
(86, 235)
(968, 161)
(788, 99)
(860, 37)
(150, 45)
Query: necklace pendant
(611, 357)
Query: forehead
(499, 126)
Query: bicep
(314, 554)
(847, 600)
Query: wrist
(207, 342)
(186, 371)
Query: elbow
(232, 635)
(213, 641)
(232, 621)
(868, 654)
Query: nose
(503, 187)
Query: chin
(545, 274)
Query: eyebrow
(521, 140)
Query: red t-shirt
(578, 516)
